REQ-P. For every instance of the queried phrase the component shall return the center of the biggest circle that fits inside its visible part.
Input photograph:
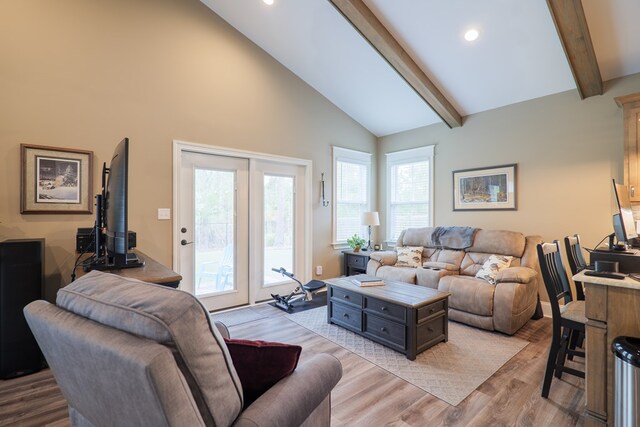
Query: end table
(355, 262)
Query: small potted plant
(356, 242)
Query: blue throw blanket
(453, 237)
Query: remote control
(607, 274)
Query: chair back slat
(576, 260)
(554, 275)
(574, 254)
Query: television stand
(152, 271)
(132, 261)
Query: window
(409, 190)
(351, 176)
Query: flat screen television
(112, 216)
(624, 224)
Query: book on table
(365, 280)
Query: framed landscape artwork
(491, 188)
(55, 180)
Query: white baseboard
(546, 308)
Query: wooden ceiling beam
(363, 20)
(571, 24)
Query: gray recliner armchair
(129, 353)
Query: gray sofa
(505, 306)
(129, 353)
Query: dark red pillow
(261, 364)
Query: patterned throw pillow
(409, 256)
(493, 266)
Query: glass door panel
(278, 227)
(214, 230)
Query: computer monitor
(624, 224)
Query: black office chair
(576, 261)
(566, 319)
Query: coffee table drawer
(385, 309)
(346, 316)
(431, 310)
(391, 333)
(347, 297)
(432, 330)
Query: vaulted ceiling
(402, 64)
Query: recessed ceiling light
(471, 35)
(269, 2)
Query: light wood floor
(368, 395)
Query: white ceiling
(517, 57)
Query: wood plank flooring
(368, 395)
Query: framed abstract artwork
(482, 189)
(55, 180)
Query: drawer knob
(345, 315)
(383, 329)
(383, 308)
(430, 329)
(346, 297)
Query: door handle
(183, 242)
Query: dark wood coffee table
(405, 317)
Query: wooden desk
(152, 271)
(612, 309)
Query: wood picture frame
(55, 180)
(485, 189)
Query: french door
(277, 226)
(214, 229)
(236, 219)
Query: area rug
(450, 371)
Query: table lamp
(369, 219)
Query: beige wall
(567, 151)
(83, 75)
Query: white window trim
(353, 156)
(406, 156)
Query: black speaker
(21, 280)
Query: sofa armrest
(514, 303)
(516, 275)
(222, 328)
(294, 398)
(385, 257)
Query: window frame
(397, 158)
(349, 156)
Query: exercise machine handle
(282, 271)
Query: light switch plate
(164, 213)
(318, 270)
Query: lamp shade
(370, 218)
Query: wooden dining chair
(576, 264)
(566, 319)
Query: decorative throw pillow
(493, 266)
(261, 364)
(409, 256)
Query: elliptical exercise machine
(302, 292)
